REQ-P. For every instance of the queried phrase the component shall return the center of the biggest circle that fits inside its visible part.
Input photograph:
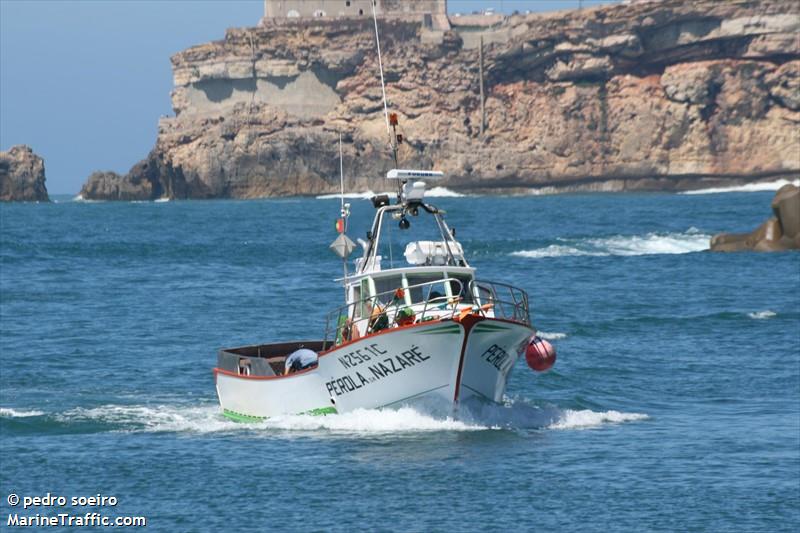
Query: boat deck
(261, 359)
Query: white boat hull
(447, 360)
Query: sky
(84, 82)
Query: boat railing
(489, 298)
(504, 300)
(341, 324)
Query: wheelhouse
(433, 281)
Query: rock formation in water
(651, 95)
(781, 232)
(22, 176)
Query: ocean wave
(749, 187)
(624, 245)
(551, 336)
(762, 315)
(443, 192)
(586, 418)
(80, 198)
(18, 413)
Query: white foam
(624, 245)
(520, 414)
(402, 420)
(554, 336)
(154, 418)
(208, 418)
(443, 192)
(163, 199)
(18, 413)
(555, 250)
(762, 315)
(80, 198)
(749, 187)
(586, 418)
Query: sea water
(674, 404)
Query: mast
(344, 211)
(383, 84)
(391, 120)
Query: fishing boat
(424, 330)
(427, 328)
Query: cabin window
(347, 3)
(357, 302)
(387, 285)
(464, 291)
(429, 291)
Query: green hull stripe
(321, 411)
(444, 330)
(485, 328)
(239, 417)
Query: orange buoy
(540, 354)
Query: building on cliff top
(433, 13)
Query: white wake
(208, 418)
(749, 187)
(624, 245)
(402, 420)
(762, 315)
(588, 419)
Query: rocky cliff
(22, 176)
(650, 95)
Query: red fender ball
(540, 354)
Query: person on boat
(404, 317)
(378, 319)
(300, 360)
(350, 331)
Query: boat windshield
(386, 285)
(423, 286)
(461, 288)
